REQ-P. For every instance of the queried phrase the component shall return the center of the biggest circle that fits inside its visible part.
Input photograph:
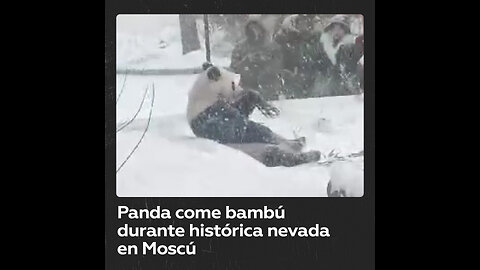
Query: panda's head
(222, 81)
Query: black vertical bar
(207, 36)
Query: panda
(219, 108)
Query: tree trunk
(188, 29)
(207, 36)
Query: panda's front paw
(268, 110)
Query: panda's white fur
(205, 92)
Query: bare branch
(144, 132)
(136, 113)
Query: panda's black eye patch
(233, 86)
(213, 73)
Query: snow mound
(347, 178)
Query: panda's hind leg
(276, 156)
(272, 155)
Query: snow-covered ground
(172, 162)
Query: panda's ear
(213, 73)
(206, 65)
